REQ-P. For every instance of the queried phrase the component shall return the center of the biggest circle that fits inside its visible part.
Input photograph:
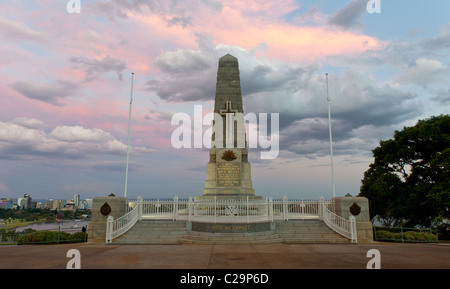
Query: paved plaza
(252, 256)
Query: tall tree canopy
(409, 181)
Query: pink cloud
(283, 40)
(249, 24)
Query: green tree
(409, 181)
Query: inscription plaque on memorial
(228, 174)
(230, 227)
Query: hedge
(409, 236)
(51, 237)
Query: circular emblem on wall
(355, 209)
(105, 209)
(228, 156)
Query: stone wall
(357, 207)
(102, 208)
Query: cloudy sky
(65, 84)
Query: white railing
(344, 227)
(119, 226)
(229, 211)
(163, 208)
(298, 209)
(220, 210)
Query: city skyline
(66, 80)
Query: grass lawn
(16, 224)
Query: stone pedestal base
(357, 207)
(102, 208)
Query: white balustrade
(119, 226)
(344, 227)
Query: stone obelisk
(228, 171)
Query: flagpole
(128, 141)
(331, 140)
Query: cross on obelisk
(228, 109)
(229, 114)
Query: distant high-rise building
(86, 204)
(49, 204)
(21, 203)
(53, 204)
(6, 203)
(28, 201)
(76, 200)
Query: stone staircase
(307, 231)
(154, 232)
(175, 232)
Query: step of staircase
(307, 231)
(154, 232)
(267, 237)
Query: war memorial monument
(228, 173)
(228, 211)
